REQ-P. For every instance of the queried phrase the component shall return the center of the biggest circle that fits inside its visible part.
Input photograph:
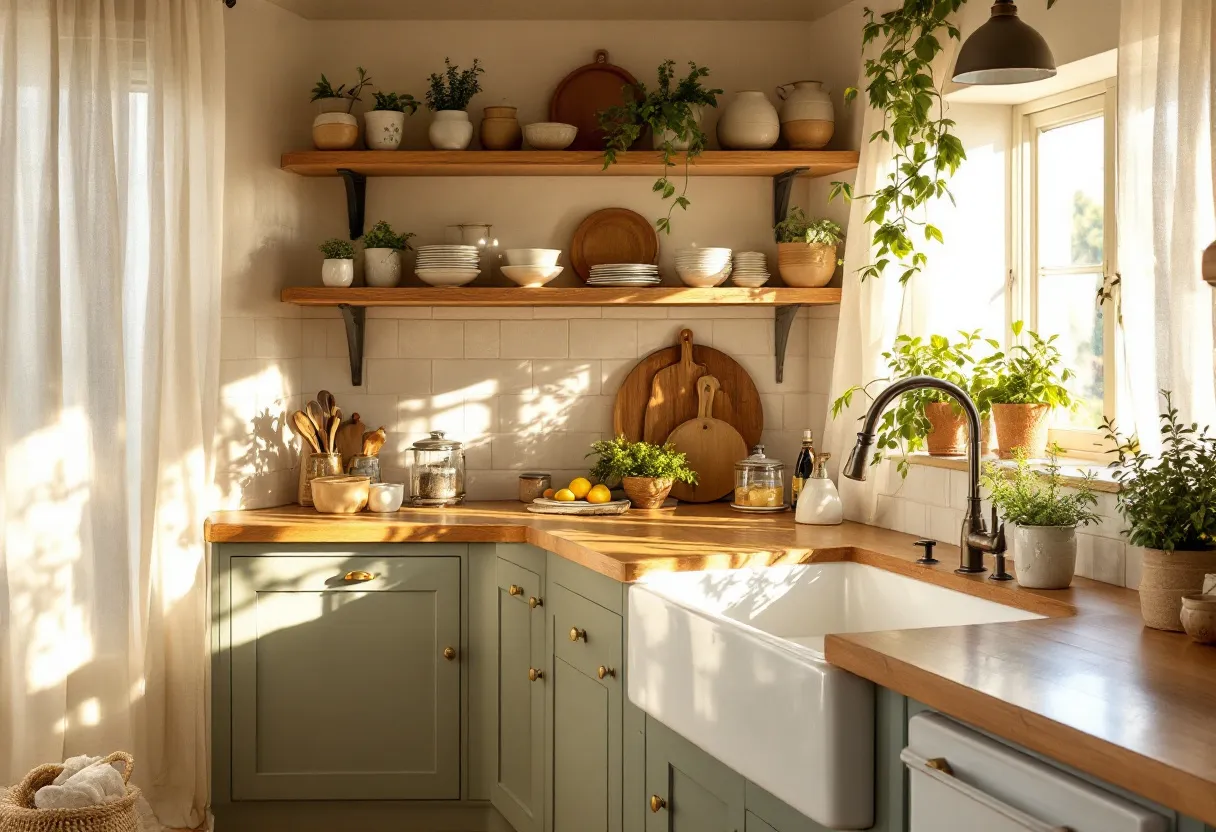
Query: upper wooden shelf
(546, 296)
(561, 162)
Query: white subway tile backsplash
(237, 339)
(482, 339)
(567, 377)
(820, 379)
(400, 313)
(332, 374)
(482, 313)
(822, 337)
(430, 339)
(380, 339)
(605, 339)
(747, 337)
(277, 337)
(481, 378)
(637, 313)
(612, 374)
(935, 486)
(535, 339)
(314, 337)
(1133, 565)
(945, 524)
(567, 312)
(660, 334)
(397, 375)
(915, 519)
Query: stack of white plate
(751, 270)
(449, 265)
(624, 274)
(703, 267)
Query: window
(1063, 281)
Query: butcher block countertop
(1088, 686)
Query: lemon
(580, 486)
(565, 496)
(599, 494)
(549, 492)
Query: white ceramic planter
(1045, 557)
(807, 117)
(749, 122)
(335, 131)
(677, 144)
(339, 273)
(382, 267)
(383, 129)
(450, 130)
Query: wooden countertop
(1088, 686)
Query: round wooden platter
(613, 235)
(586, 91)
(579, 508)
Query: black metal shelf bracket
(784, 321)
(356, 200)
(783, 183)
(356, 322)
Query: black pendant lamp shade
(1004, 51)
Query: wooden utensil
(334, 422)
(305, 428)
(326, 400)
(738, 402)
(320, 421)
(713, 447)
(373, 441)
(350, 437)
(613, 235)
(673, 394)
(586, 91)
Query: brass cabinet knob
(535, 602)
(516, 590)
(534, 674)
(358, 576)
(606, 671)
(449, 653)
(657, 803)
(577, 635)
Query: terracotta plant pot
(1045, 557)
(806, 265)
(1164, 578)
(1021, 426)
(647, 492)
(947, 430)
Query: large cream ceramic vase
(749, 122)
(1021, 426)
(1164, 578)
(807, 117)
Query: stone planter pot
(1021, 426)
(383, 129)
(335, 131)
(1044, 557)
(676, 143)
(338, 273)
(947, 430)
(806, 265)
(451, 130)
(749, 122)
(647, 492)
(382, 267)
(1164, 578)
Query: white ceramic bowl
(550, 135)
(447, 277)
(703, 279)
(749, 282)
(532, 256)
(340, 494)
(703, 252)
(384, 497)
(531, 276)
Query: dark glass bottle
(803, 467)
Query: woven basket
(17, 812)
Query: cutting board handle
(707, 388)
(601, 56)
(686, 347)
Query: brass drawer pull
(449, 653)
(578, 635)
(657, 803)
(516, 590)
(358, 576)
(534, 674)
(606, 671)
(535, 602)
(940, 764)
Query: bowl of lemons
(579, 497)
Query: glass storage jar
(759, 482)
(437, 471)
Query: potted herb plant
(673, 112)
(449, 98)
(1045, 514)
(382, 249)
(646, 471)
(806, 249)
(385, 122)
(1167, 503)
(335, 128)
(339, 266)
(1027, 384)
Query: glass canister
(759, 482)
(313, 466)
(437, 471)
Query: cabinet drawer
(585, 635)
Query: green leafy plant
(455, 88)
(397, 102)
(798, 228)
(381, 235)
(1027, 374)
(1028, 497)
(620, 458)
(672, 113)
(1168, 501)
(337, 249)
(324, 89)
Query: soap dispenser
(819, 502)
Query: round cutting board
(581, 95)
(613, 235)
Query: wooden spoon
(373, 441)
(320, 419)
(334, 421)
(304, 427)
(326, 400)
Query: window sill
(1072, 471)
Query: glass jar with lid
(437, 471)
(759, 483)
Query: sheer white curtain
(1166, 213)
(111, 147)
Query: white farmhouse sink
(733, 660)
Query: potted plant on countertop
(1027, 386)
(807, 249)
(1167, 501)
(385, 122)
(335, 128)
(646, 471)
(673, 115)
(339, 266)
(1045, 514)
(449, 98)
(382, 249)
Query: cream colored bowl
(531, 276)
(550, 135)
(340, 495)
(532, 256)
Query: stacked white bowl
(448, 265)
(751, 270)
(703, 267)
(532, 266)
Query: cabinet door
(688, 790)
(345, 677)
(585, 715)
(519, 765)
(755, 824)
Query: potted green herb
(646, 471)
(1028, 384)
(449, 98)
(806, 249)
(1044, 513)
(339, 266)
(1167, 501)
(385, 122)
(673, 114)
(382, 249)
(335, 128)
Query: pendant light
(1004, 51)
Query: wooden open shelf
(546, 296)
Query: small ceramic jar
(533, 484)
(385, 497)
(759, 482)
(383, 129)
(1199, 617)
(361, 465)
(338, 273)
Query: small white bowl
(749, 282)
(447, 277)
(702, 279)
(550, 135)
(532, 256)
(531, 276)
(385, 497)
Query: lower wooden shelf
(547, 296)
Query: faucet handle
(927, 559)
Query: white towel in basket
(85, 781)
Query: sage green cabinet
(688, 790)
(755, 824)
(345, 677)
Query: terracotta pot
(1021, 426)
(335, 131)
(1045, 557)
(947, 430)
(501, 133)
(647, 492)
(806, 265)
(1164, 578)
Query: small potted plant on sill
(335, 128)
(385, 122)
(807, 250)
(1026, 386)
(382, 249)
(646, 471)
(673, 115)
(449, 98)
(339, 266)
(1044, 513)
(1167, 501)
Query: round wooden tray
(586, 91)
(613, 235)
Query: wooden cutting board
(613, 235)
(581, 95)
(673, 394)
(712, 446)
